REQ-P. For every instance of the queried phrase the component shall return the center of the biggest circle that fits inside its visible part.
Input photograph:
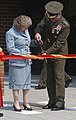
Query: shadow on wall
(71, 63)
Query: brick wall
(9, 9)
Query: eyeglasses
(50, 16)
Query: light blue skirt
(19, 77)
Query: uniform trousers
(43, 76)
(56, 81)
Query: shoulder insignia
(64, 22)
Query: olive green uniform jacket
(55, 34)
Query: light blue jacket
(18, 43)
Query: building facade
(9, 9)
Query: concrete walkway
(37, 99)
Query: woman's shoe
(27, 108)
(15, 109)
(1, 114)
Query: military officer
(56, 30)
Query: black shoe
(1, 114)
(40, 87)
(26, 108)
(68, 82)
(15, 109)
(48, 106)
(55, 108)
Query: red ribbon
(51, 56)
(22, 57)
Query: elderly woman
(17, 42)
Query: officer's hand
(38, 38)
(44, 53)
